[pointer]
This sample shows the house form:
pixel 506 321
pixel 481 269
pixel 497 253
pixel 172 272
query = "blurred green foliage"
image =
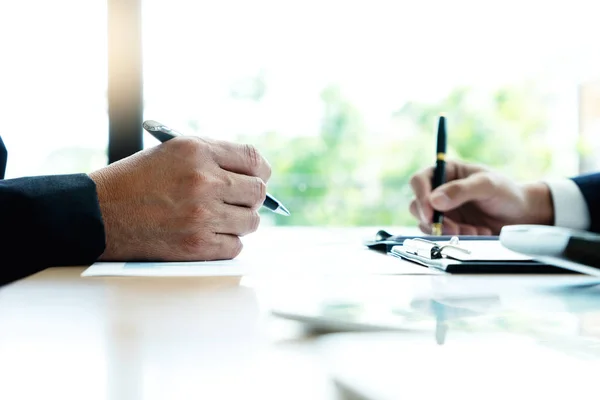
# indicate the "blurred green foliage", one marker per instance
pixel 349 176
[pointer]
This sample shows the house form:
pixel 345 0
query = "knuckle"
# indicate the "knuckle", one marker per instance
pixel 235 249
pixel 454 187
pixel 488 180
pixel 227 181
pixel 252 156
pixel 189 146
pixel 268 172
pixel 259 192
pixel 254 221
pixel 413 181
pixel 416 183
pixel 200 181
pixel 196 180
pixel 199 215
pixel 413 207
pixel 196 244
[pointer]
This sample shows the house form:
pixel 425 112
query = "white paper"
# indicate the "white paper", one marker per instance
pixel 489 250
pixel 317 261
pixel 303 256
pixel 196 268
pixel 279 251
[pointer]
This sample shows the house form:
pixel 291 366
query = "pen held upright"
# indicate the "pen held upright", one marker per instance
pixel 439 173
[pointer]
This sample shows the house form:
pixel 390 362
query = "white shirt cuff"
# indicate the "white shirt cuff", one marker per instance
pixel 570 209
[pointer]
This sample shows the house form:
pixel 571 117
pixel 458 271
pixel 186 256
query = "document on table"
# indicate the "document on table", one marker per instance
pixel 269 255
pixel 193 268
pixel 310 261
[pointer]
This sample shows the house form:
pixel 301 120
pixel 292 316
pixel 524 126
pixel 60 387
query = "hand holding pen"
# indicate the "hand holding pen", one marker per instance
pixel 475 200
pixel 188 199
pixel 164 133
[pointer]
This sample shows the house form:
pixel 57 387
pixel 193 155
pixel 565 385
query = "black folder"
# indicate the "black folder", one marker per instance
pixel 394 245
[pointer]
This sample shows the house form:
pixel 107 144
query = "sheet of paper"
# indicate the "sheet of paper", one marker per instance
pixel 486 250
pixel 298 258
pixel 200 268
pixel 290 251
pixel 315 261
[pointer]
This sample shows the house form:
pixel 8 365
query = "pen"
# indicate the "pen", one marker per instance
pixel 439 173
pixel 164 133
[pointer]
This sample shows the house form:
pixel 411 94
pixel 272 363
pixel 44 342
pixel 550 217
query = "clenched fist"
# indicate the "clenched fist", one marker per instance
pixel 187 199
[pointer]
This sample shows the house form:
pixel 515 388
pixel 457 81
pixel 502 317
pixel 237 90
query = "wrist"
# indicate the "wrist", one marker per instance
pixel 540 205
pixel 98 178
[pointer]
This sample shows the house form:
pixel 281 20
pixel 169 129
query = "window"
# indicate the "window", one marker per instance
pixel 53 86
pixel 343 97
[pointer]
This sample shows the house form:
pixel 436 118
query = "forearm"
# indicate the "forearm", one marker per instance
pixel 48 221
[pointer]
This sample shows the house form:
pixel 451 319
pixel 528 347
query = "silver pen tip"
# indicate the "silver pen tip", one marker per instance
pixel 281 210
pixel 152 125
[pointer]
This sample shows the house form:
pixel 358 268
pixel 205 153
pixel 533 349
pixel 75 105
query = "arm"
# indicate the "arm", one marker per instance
pixel 186 199
pixel 3 158
pixel 48 221
pixel 477 200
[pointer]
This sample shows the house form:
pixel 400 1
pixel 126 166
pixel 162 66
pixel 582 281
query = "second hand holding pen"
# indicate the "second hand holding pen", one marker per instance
pixel 164 133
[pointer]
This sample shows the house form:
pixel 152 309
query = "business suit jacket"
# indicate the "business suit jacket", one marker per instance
pixel 590 188
pixel 47 221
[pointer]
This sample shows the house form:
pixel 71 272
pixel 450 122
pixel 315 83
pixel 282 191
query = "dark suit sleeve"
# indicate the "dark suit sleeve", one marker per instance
pixel 590 188
pixel 3 158
pixel 48 221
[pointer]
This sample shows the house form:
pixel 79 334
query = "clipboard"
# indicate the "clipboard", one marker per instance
pixel 457 256
pixel 384 241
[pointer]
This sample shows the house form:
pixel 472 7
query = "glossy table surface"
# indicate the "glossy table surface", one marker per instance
pixel 67 337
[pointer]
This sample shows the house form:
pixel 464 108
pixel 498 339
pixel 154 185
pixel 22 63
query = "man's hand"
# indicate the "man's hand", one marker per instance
pixel 477 201
pixel 186 199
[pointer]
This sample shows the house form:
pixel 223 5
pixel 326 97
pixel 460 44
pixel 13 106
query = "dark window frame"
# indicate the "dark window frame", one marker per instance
pixel 125 78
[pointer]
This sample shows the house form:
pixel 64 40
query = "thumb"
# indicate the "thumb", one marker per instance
pixel 479 186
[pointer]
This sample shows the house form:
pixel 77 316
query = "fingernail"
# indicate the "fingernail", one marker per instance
pixel 440 199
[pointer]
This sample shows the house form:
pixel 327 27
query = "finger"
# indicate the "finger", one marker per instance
pixel 421 187
pixel 204 246
pixel 450 227
pixel 484 231
pixel 417 212
pixel 466 229
pixel 472 230
pixel 243 159
pixel 244 191
pixel 223 247
pixel 425 228
pixel 236 220
pixel 459 169
pixel 479 186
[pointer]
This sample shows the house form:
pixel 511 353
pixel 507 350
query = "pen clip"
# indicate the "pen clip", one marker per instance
pixel 432 250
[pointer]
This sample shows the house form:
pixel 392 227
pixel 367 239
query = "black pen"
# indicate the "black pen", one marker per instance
pixel 439 174
pixel 164 133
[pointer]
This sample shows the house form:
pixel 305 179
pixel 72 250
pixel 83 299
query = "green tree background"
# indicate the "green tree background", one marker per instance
pixel 348 176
